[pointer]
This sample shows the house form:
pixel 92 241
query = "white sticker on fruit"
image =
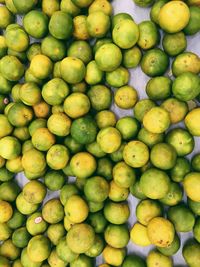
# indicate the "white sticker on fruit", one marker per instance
pixel 38 220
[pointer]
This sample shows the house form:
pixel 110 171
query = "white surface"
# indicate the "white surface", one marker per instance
pixel 139 80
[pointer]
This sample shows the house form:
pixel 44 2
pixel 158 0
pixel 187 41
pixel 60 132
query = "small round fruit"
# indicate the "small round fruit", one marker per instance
pixel 160 232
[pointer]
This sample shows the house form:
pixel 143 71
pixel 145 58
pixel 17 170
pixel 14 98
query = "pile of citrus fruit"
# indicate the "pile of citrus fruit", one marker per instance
pixel 61 69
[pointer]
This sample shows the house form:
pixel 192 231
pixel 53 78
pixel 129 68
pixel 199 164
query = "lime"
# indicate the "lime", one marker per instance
pixel 191 122
pixel 36 24
pixel 35 224
pixel 181 140
pixel 53 48
pixel 157 258
pixel 160 232
pixel 114 256
pixel 149 35
pixel 116 213
pixel 191 185
pixel 53 211
pixel 117 236
pixel 136 154
pixel 108 50
pixel 80 238
pixel 61 25
pixel 21 237
pixel 76 209
pixel 159 88
pixel 126 97
pixel 100 97
pixel 177 109
pixel 125 33
pixel 34 192
pixel 98 24
pixel 96 189
pixel 150 139
pixel 139 235
pixel 174 16
pixel 132 57
pixel 182 218
pixel 174 43
pixel 194 21
pixel 163 156
pixel 39 248
pixel 154 62
pixel 191 252
pixel 156 120
pixel 154 183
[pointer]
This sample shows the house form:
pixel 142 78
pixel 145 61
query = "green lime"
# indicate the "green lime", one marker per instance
pixel 109 139
pixel 100 97
pixel 194 206
pixel 136 154
pixel 6 17
pixel 116 213
pixel 53 211
pixel 182 218
pixel 163 156
pixel 191 252
pixel 174 43
pixel 104 168
pixel 61 25
pixel 11 68
pixel 84 130
pixel 181 140
pixel 125 33
pixel 177 109
pixel 128 127
pixel 98 24
pixel 108 50
pixel 155 183
pixel 80 238
pixel 124 175
pixel 186 62
pixel 96 189
pixel 54 180
pixel 149 34
pixel 93 73
pixel 117 236
pixel 35 224
pixel 154 62
pixel 81 50
pixel 118 78
pixel 72 70
pixel 53 48
pixel 132 57
pixel 159 88
pixel 32 20
pixel 21 237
